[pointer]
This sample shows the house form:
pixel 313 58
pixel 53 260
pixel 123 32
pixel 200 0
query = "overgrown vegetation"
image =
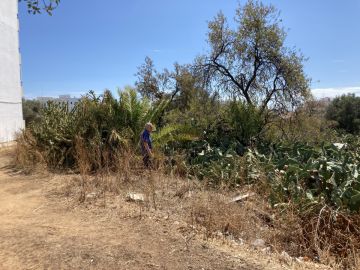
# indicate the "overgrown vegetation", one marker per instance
pixel 31 110
pixel 102 124
pixel 240 116
pixel 345 110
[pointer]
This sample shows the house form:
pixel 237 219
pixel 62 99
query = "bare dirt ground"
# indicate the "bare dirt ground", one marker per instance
pixel 41 228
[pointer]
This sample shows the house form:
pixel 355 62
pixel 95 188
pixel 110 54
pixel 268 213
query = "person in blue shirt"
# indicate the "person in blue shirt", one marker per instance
pixel 146 144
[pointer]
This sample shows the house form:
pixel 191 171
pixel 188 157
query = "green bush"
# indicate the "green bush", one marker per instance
pixel 312 175
pixel 54 133
pixel 31 110
pixel 246 121
pixel 345 110
pixel 103 125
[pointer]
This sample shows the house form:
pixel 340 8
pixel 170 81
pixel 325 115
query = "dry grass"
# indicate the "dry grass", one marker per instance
pixel 27 156
pixel 210 216
pixel 207 213
pixel 217 215
pixel 328 237
pixel 333 236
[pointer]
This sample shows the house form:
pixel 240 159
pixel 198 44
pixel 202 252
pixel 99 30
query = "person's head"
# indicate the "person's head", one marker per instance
pixel 149 127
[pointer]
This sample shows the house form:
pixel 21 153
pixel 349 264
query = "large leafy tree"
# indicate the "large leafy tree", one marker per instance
pixel 39 6
pixel 345 110
pixel 250 62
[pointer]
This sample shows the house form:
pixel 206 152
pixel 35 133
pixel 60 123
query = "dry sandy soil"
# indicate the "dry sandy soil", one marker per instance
pixel 42 227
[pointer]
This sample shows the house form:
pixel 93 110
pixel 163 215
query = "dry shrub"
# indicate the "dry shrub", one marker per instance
pixel 327 236
pixel 287 232
pixel 331 234
pixel 84 164
pixel 247 220
pixel 105 169
pixel 176 166
pixel 330 237
pixel 127 163
pixel 28 157
pixel 102 158
pixel 84 158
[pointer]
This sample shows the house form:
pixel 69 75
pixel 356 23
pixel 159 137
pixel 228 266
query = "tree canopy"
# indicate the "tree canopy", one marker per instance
pixel 345 110
pixel 251 62
pixel 180 84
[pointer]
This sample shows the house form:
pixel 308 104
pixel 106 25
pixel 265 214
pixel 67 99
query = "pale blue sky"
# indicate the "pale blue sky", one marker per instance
pixel 93 44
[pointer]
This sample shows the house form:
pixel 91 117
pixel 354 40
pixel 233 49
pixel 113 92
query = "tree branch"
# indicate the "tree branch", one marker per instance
pixel 223 70
pixel 270 94
pixel 256 65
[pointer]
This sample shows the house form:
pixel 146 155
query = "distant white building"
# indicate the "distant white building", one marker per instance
pixel 62 99
pixel 11 117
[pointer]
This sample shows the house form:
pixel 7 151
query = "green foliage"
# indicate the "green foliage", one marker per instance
pixel 103 124
pixel 246 121
pixel 217 138
pixel 214 165
pixel 173 135
pixel 151 83
pixel 345 110
pixel 31 110
pixel 236 125
pixel 252 63
pixel 304 174
pixel 54 133
pixel 253 139
pixel 221 166
pixel 310 175
pixel 222 137
pixel 200 112
pixel 307 124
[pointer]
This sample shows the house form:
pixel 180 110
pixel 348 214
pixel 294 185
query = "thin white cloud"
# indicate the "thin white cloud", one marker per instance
pixel 156 51
pixel 333 92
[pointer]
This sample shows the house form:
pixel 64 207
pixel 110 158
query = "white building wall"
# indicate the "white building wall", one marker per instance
pixel 11 117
